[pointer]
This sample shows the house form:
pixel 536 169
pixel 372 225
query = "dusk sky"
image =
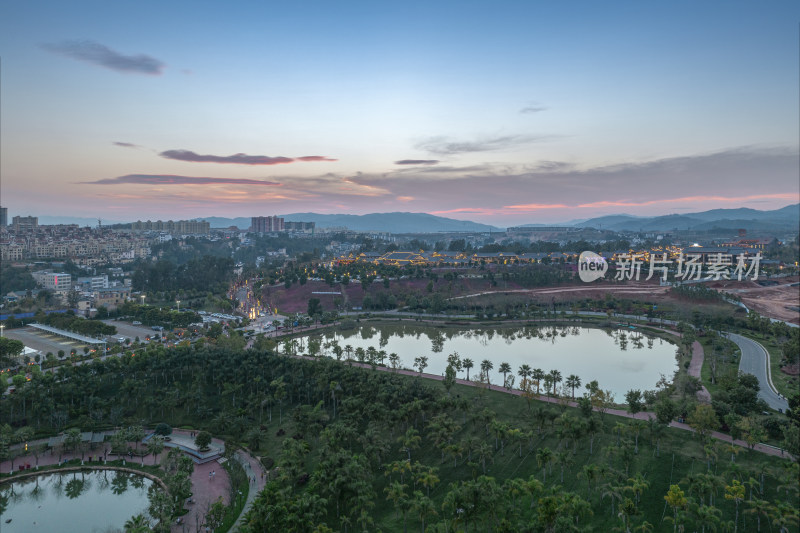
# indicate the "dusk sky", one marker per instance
pixel 498 112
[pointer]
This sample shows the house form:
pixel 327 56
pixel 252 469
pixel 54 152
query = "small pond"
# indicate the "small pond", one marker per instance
pixel 90 501
pixel 619 359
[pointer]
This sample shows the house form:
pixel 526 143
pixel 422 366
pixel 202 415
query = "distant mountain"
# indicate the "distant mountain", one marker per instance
pixel 608 221
pixel 786 218
pixel 389 222
pixel 222 222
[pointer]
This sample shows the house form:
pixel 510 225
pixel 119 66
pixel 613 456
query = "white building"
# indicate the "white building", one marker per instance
pixel 54 281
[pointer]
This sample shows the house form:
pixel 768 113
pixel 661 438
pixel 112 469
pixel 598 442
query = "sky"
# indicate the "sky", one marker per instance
pixel 499 112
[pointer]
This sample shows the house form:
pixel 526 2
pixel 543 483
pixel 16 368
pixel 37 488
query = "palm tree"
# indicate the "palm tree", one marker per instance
pixel 410 441
pixel 524 372
pixel 155 446
pixel 484 451
pixel 538 376
pixel 505 368
pixel 423 506
pixel 543 458
pixel 563 459
pixel 555 375
pixel 137 524
pixel 467 364
pixel 572 382
pixel 735 492
pixel 676 500
pixel 706 516
pixel 486 366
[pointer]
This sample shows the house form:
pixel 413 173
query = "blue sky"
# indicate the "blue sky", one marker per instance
pixel 509 112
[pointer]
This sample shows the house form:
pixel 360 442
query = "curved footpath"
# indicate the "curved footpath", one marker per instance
pixel 755 360
pixel 257 475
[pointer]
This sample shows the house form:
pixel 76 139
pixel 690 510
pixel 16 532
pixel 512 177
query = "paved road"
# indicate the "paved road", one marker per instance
pixel 754 361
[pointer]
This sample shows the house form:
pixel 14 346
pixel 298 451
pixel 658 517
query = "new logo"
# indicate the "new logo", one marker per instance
pixel 591 266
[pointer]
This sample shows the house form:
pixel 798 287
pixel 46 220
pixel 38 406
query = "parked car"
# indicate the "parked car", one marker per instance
pixel 137 323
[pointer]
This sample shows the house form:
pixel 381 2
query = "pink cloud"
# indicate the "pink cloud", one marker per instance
pixel 170 179
pixel 237 159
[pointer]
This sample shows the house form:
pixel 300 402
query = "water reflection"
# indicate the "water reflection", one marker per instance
pixel 77 501
pixel 620 359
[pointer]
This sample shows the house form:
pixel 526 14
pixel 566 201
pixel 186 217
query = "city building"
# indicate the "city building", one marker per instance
pixel 176 227
pixel 266 224
pixel 54 281
pixel 111 298
pixel 300 227
pixel 3 217
pixel 24 224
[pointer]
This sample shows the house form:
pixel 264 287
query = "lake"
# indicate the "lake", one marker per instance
pixel 619 359
pixel 87 501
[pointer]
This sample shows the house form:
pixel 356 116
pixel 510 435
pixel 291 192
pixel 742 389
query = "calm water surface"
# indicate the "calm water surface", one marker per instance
pixel 93 501
pixel 619 360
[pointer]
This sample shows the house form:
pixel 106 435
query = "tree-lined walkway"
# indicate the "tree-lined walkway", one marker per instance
pixel 256 475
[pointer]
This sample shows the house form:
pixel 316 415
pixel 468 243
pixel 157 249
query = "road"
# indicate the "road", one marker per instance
pixel 754 361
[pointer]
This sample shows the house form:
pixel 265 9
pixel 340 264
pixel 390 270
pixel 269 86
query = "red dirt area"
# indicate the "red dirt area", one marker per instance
pixel 295 299
pixel 773 298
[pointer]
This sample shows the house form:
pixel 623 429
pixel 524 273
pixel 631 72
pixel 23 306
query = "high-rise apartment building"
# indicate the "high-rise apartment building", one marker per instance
pixel 3 217
pixel 266 224
pixel 177 227
pixel 24 224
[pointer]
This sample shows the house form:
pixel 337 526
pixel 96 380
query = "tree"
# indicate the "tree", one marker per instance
pixel 573 382
pixel 137 524
pixel 423 506
pixel 467 364
pixel 9 349
pixel 202 440
pixel 676 499
pixel 504 369
pixel 486 366
pixel 449 378
pixel 703 420
pixel 410 441
pixel 155 445
pixel 634 400
pixel 544 456
pixel 735 492
pixel 216 514
pixel 314 307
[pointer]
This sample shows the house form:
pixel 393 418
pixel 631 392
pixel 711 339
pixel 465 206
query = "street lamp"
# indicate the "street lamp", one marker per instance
pixel 142 297
pixel 179 304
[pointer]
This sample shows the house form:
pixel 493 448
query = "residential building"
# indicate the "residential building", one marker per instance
pixel 300 227
pixel 24 224
pixel 266 224
pixel 177 227
pixel 54 281
pixel 111 298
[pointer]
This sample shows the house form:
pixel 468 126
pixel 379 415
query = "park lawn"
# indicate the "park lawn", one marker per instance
pixel 723 367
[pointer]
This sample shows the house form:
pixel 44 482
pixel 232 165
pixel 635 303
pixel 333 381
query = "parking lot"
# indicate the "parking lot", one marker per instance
pixel 44 342
pixel 128 330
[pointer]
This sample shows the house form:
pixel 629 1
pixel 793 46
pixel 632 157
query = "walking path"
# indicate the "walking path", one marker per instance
pixel 257 475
